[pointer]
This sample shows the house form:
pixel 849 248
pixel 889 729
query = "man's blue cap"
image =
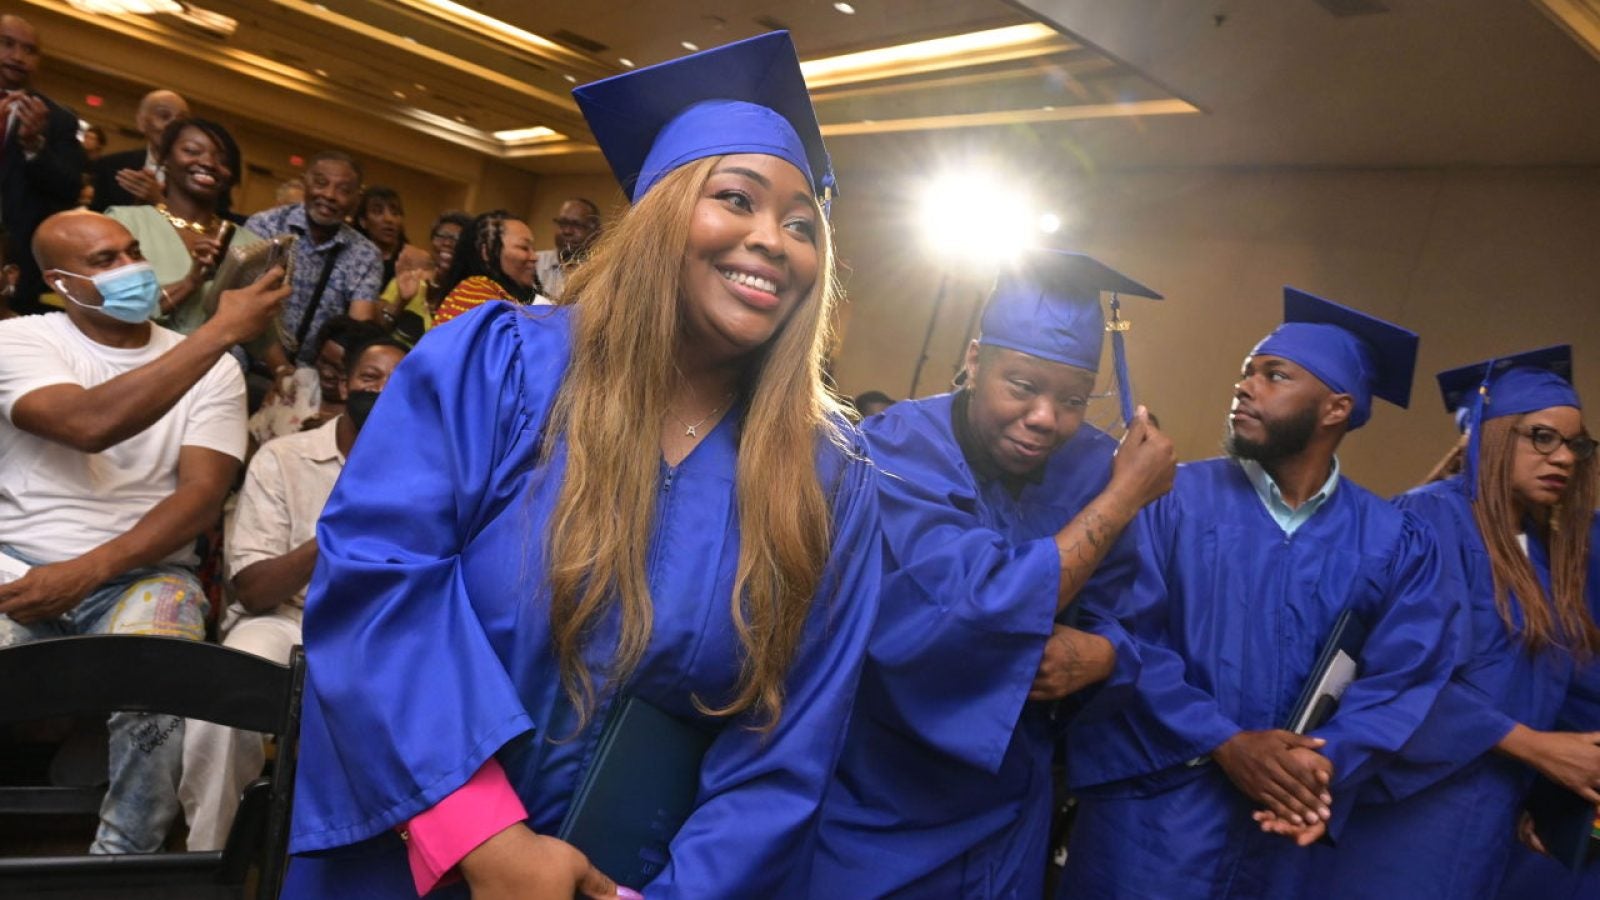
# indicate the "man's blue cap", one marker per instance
pixel 1506 386
pixel 744 97
pixel 1349 351
pixel 1047 304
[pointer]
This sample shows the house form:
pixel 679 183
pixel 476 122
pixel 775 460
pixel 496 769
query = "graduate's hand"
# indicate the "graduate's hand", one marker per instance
pixel 1145 463
pixel 517 864
pixel 1282 771
pixel 1302 835
pixel 1571 759
pixel 1072 661
pixel 1528 836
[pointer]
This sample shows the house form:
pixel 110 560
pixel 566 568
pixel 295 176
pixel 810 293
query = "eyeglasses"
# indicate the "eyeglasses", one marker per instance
pixel 1546 440
pixel 442 235
pixel 573 223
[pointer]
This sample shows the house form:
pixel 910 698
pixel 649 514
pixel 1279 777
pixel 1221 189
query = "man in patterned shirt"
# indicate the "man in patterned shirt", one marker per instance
pixel 337 271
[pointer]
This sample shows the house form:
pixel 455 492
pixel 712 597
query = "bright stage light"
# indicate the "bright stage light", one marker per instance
pixel 976 218
pixel 1049 223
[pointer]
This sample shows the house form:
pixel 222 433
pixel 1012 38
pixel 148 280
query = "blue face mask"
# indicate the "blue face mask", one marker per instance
pixel 128 293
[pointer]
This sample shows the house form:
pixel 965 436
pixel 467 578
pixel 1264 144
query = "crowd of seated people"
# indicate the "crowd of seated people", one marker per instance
pixel 148 411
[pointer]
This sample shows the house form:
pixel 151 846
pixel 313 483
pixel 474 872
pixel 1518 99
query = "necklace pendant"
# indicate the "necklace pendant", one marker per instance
pixel 690 432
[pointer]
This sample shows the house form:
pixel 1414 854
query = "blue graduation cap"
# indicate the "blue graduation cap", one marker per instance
pixel 1048 305
pixel 1349 351
pixel 1506 386
pixel 744 97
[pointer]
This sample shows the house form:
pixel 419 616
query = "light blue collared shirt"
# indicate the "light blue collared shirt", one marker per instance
pixel 1288 519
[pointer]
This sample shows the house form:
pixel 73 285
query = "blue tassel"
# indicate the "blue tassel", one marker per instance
pixel 1119 355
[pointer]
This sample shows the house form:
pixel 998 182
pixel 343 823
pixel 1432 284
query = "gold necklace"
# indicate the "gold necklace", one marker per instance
pixel 182 224
pixel 693 430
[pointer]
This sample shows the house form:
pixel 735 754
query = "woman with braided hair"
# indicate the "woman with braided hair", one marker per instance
pixel 494 260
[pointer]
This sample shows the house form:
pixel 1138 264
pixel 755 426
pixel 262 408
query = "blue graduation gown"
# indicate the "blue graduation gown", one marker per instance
pixel 1243 611
pixel 944 787
pixel 427 629
pixel 1529 875
pixel 1444 824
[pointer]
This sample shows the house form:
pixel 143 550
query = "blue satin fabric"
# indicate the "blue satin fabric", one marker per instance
pixel 428 637
pixel 1530 876
pixel 1242 612
pixel 1445 825
pixel 944 786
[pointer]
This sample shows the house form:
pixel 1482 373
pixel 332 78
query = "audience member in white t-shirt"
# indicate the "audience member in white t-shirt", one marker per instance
pixel 271 549
pixel 118 441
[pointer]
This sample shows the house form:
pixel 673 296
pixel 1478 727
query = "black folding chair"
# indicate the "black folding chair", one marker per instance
pixel 102 674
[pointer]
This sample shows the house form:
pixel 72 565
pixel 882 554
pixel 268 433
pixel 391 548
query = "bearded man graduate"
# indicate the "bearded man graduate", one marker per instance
pixel 1250 561
pixel 1002 508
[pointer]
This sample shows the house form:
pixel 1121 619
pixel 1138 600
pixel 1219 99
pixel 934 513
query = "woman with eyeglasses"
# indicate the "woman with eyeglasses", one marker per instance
pixel 1516 529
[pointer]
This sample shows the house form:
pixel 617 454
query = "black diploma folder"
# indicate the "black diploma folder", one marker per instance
pixel 1566 824
pixel 637 792
pixel 1337 666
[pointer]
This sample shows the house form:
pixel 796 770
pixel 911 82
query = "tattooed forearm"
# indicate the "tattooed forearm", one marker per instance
pixel 1083 544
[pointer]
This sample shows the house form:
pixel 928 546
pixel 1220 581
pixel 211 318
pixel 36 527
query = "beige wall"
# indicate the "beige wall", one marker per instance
pixel 1477 261
pixel 554 190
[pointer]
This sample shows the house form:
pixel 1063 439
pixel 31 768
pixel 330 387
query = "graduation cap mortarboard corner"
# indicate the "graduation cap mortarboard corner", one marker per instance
pixel 744 97
pixel 1349 351
pixel 1506 386
pixel 1047 305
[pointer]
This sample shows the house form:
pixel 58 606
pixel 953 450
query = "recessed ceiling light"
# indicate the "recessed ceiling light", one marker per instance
pixel 626 62
pixel 398 95
pixel 320 6
pixel 689 45
pixel 524 135
pixel 845 8
pixel 461 119
pixel 571 79
pixel 419 85
pixel 409 39
pixel 322 72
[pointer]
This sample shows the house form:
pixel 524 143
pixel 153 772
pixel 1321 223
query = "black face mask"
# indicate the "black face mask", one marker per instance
pixel 358 405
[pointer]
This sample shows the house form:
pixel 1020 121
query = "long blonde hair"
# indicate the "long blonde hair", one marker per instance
pixel 1563 619
pixel 627 305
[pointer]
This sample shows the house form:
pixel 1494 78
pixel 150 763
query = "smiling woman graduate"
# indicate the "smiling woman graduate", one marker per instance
pixel 647 494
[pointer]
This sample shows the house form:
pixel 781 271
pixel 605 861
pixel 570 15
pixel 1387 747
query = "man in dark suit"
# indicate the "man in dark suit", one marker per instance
pixel 41 161
pixel 131 177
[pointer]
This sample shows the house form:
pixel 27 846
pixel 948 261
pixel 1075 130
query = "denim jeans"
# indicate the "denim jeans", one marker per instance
pixel 146 749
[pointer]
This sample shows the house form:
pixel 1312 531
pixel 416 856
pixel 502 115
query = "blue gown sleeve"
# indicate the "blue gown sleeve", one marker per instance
pixel 1410 649
pixel 1165 720
pixel 965 611
pixel 405 696
pixel 753 828
pixel 1100 608
pixel 1464 722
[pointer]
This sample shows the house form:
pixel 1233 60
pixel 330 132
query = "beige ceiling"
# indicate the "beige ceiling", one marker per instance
pixel 422 81
pixel 1100 85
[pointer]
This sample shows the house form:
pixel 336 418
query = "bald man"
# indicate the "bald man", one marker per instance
pixel 118 441
pixel 41 161
pixel 134 177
